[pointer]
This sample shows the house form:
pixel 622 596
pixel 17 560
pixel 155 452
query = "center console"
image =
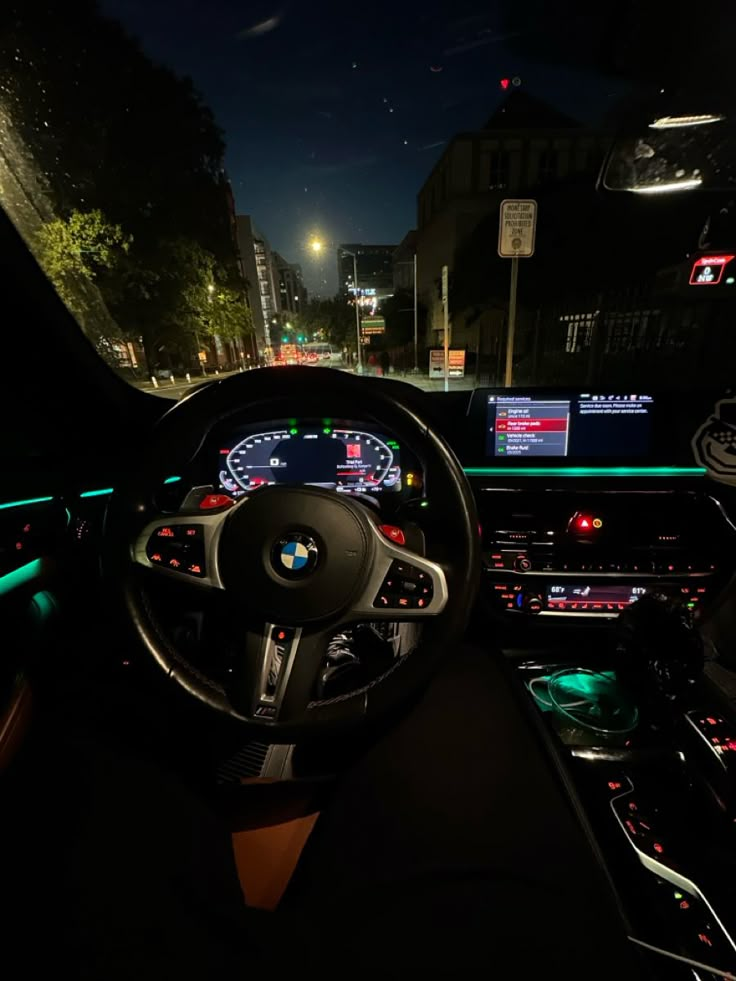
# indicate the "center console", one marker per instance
pixel 660 799
pixel 603 551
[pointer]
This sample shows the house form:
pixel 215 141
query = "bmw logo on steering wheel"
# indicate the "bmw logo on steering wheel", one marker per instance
pixel 295 555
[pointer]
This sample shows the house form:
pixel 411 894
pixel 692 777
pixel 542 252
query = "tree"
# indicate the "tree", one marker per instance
pixel 112 131
pixel 77 252
pixel 231 318
pixel 333 317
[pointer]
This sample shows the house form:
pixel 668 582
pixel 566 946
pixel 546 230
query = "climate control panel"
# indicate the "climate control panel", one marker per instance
pixel 565 554
pixel 592 598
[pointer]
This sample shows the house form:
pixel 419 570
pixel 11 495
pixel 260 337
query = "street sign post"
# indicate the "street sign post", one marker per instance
pixel 457 363
pixel 436 362
pixel 446 315
pixel 517 230
pixel 456 359
pixel 373 325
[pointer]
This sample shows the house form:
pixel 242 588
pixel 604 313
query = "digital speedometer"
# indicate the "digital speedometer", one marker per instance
pixel 348 460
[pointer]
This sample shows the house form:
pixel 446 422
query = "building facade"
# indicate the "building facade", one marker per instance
pixel 524 146
pixel 404 262
pixel 292 292
pixel 261 277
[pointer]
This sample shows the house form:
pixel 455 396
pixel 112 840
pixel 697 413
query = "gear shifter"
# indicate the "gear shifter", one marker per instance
pixel 659 653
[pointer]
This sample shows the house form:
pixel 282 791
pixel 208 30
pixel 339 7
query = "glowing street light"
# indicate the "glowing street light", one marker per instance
pixel 316 245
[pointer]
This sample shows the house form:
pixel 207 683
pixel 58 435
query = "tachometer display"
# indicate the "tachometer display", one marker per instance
pixel 348 460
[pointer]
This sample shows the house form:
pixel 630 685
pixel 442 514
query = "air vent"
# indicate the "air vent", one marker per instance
pixel 247 762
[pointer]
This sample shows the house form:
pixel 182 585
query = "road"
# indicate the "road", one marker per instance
pixel 180 388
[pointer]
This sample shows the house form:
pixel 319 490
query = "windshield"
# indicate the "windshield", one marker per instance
pixel 404 192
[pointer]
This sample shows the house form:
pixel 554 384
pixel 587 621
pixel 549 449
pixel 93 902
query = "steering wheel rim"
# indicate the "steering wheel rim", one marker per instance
pixel 253 526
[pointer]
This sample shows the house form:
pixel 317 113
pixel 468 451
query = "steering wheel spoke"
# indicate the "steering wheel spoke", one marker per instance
pixel 276 676
pixel 403 585
pixel 182 547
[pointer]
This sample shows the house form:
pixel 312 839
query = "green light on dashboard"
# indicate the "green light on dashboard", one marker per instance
pixel 585 471
pixel 97 493
pixel 327 430
pixel 28 500
pixel 294 432
pixel 392 443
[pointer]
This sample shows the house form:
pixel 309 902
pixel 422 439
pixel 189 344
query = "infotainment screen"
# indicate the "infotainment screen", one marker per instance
pixel 568 425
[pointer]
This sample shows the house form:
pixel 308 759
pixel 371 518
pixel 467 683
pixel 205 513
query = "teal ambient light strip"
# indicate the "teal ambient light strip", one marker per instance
pixel 109 490
pixel 20 576
pixel 28 500
pixel 585 471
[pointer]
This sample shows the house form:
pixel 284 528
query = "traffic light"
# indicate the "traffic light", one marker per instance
pixel 300 338
pixel 285 340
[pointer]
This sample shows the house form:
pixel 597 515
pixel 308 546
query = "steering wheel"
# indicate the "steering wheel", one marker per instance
pixel 298 563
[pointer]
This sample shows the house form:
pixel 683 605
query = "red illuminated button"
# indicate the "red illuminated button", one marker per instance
pixel 583 523
pixel 212 501
pixel 165 533
pixel 394 534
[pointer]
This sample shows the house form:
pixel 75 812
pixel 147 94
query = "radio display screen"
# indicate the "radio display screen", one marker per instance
pixel 524 426
pixel 587 598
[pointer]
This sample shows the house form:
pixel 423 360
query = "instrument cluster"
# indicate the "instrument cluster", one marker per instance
pixel 345 457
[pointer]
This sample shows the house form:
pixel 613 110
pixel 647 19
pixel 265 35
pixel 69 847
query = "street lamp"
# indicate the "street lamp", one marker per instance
pixel 316 245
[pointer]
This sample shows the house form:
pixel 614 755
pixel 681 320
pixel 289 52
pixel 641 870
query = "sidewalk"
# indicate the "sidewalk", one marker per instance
pixel 181 385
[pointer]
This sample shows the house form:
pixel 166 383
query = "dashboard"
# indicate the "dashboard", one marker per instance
pixel 586 498
pixel 347 458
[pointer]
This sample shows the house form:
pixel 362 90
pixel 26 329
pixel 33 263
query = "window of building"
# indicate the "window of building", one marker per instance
pixel 498 173
pixel 579 331
pixel 629 330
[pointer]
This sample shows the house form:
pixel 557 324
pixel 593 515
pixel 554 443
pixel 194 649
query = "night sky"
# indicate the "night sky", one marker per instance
pixel 335 113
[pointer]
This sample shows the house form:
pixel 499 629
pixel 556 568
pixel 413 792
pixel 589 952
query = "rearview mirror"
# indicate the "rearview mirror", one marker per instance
pixel 675 153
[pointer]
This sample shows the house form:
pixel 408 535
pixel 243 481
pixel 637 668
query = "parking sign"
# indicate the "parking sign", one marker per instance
pixel 517 227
